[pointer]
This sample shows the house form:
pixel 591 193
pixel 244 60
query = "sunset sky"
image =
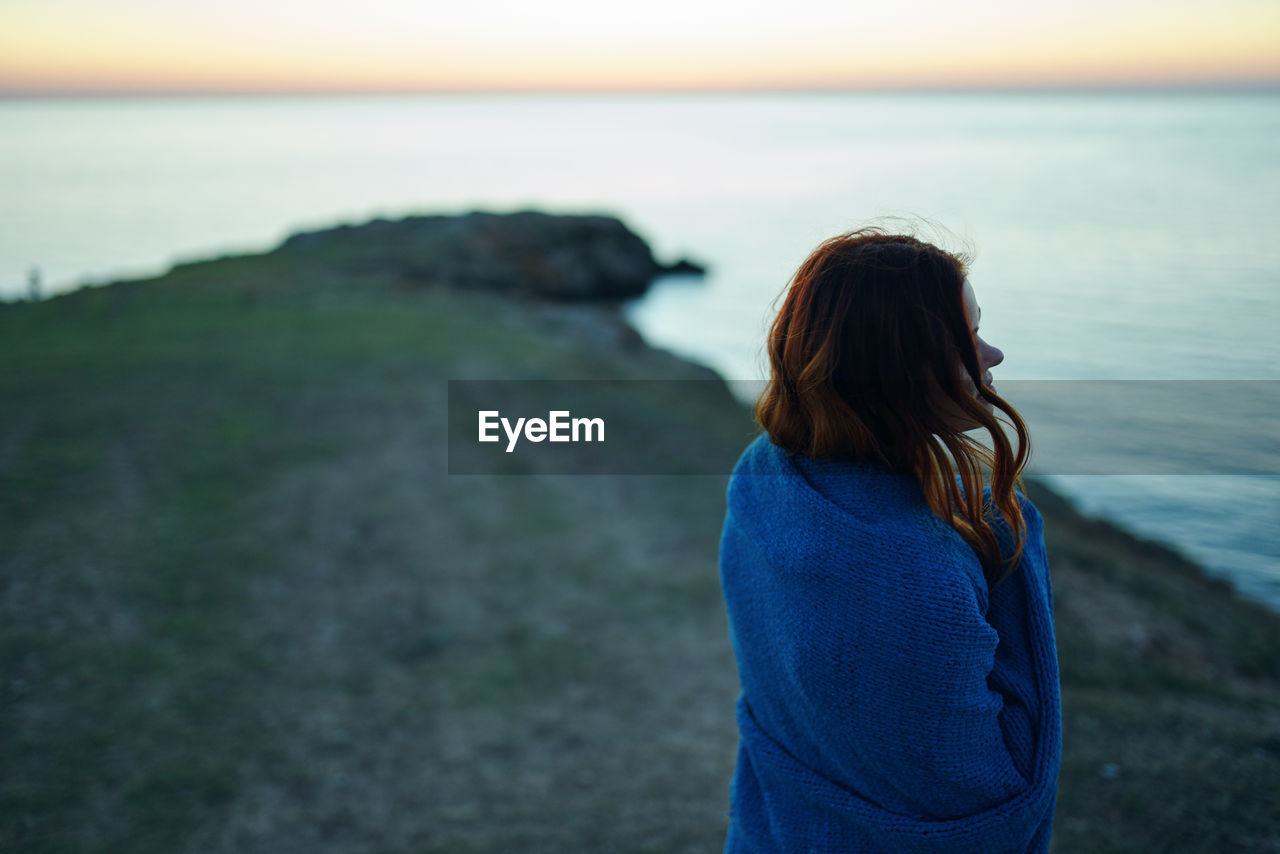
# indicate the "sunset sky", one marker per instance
pixel 92 46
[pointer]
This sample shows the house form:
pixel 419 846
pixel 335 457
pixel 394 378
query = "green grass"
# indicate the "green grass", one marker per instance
pixel 148 426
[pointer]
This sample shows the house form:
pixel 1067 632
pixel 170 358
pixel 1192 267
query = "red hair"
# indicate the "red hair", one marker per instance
pixel 863 357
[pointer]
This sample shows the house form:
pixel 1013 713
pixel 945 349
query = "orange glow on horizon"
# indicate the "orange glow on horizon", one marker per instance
pixel 47 50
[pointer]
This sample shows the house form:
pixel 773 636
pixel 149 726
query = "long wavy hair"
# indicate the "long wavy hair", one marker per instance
pixel 863 366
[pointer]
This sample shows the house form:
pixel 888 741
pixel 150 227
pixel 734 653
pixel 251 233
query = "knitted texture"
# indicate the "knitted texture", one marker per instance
pixel 890 702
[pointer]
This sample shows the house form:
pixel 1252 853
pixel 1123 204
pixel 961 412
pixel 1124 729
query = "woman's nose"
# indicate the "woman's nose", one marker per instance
pixel 992 356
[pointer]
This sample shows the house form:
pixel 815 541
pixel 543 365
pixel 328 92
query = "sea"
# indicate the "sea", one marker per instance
pixel 1120 241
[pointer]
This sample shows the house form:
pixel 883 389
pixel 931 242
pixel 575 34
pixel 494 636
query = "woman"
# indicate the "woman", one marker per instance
pixel 891 619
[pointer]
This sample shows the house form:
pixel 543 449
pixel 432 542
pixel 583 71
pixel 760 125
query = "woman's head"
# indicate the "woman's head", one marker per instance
pixel 875 356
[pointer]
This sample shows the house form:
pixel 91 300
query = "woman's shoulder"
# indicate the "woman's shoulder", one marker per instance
pixel 848 485
pixel 852 523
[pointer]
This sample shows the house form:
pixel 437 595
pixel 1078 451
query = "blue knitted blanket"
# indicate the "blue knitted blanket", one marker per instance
pixel 890 701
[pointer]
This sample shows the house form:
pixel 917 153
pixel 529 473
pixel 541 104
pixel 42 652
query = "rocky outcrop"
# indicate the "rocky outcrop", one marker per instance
pixel 558 256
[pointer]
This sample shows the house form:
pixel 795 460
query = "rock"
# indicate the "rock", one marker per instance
pixel 684 267
pixel 559 256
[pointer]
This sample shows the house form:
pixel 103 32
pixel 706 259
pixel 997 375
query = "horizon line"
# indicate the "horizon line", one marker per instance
pixel 1091 87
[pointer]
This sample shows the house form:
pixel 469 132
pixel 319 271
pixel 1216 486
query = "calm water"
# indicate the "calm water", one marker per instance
pixel 1116 236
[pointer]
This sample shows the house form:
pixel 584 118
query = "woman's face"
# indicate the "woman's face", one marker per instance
pixel 988 357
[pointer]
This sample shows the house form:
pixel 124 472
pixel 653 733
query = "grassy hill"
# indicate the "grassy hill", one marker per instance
pixel 245 607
